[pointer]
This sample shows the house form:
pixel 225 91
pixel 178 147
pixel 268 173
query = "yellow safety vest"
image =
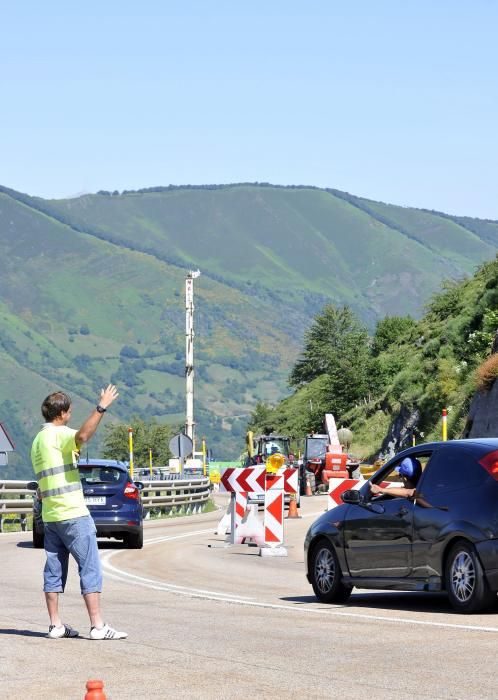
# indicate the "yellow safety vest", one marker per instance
pixel 53 458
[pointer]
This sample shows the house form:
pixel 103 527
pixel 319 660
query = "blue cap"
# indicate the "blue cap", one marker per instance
pixel 411 468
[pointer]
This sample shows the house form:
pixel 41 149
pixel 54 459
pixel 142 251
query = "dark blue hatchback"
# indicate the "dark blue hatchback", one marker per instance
pixel 441 535
pixel 113 500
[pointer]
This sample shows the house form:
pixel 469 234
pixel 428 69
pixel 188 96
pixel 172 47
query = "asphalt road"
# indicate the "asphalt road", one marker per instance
pixel 210 621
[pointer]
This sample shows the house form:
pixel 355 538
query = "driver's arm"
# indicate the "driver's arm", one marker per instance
pixel 401 491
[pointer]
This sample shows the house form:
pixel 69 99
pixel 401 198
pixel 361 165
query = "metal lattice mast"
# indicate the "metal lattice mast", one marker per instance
pixel 189 354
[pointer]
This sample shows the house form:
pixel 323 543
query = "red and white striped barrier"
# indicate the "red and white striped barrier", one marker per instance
pixel 241 482
pixel 338 486
pixel 274 510
pixel 249 480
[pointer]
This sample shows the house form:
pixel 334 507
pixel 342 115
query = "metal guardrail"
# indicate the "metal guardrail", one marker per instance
pixel 166 496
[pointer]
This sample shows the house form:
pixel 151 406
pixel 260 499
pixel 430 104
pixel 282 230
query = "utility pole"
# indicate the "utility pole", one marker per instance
pixel 189 355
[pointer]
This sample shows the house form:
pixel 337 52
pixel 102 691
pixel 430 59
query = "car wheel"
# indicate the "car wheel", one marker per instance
pixel 325 574
pixel 38 539
pixel 466 584
pixel 135 540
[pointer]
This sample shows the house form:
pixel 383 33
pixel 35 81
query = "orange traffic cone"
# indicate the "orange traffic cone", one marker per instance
pixel 308 487
pixel 94 690
pixel 293 508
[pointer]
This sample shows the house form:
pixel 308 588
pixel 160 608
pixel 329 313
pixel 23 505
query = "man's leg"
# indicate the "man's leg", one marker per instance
pixel 92 602
pixel 54 576
pixel 52 600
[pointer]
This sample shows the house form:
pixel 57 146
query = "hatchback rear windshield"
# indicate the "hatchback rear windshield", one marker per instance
pixel 101 475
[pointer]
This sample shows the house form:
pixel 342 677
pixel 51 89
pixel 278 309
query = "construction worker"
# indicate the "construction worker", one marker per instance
pixel 68 525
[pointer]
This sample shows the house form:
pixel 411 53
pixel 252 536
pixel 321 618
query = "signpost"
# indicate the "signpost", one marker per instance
pixel 181 446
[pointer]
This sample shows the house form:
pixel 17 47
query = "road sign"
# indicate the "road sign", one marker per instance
pixel 181 445
pixel 249 480
pixel 274 510
pixel 6 445
pixel 290 479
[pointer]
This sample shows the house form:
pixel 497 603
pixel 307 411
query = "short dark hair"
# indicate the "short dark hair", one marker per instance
pixel 54 405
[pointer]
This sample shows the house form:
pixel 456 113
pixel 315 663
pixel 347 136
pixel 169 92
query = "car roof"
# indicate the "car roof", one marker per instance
pixel 114 463
pixel 481 444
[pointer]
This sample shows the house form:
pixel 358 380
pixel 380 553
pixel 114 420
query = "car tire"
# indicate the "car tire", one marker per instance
pixel 135 540
pixel 38 539
pixel 326 574
pixel 466 585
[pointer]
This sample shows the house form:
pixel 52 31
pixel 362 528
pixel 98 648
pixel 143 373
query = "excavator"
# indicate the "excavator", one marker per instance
pixel 324 456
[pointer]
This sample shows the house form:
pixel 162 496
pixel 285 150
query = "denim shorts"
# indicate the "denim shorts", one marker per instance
pixel 77 537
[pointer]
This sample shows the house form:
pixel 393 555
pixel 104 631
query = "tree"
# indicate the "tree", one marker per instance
pixel 390 331
pixel 335 334
pixel 146 435
pixel 262 419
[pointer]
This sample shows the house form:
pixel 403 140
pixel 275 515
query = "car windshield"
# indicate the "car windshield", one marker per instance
pixel 277 445
pixel 316 447
pixel 100 475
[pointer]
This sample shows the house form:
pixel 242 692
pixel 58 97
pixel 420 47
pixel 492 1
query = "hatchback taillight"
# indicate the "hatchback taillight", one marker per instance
pixel 490 463
pixel 131 491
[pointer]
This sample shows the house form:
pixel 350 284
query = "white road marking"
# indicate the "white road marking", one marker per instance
pixel 120 575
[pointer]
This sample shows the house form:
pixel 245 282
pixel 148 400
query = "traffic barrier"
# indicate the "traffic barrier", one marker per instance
pixel 95 690
pixel 251 528
pixel 224 525
pixel 338 486
pixel 240 511
pixel 274 516
pixel 258 480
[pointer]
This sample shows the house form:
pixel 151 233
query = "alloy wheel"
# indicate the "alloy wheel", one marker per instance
pixel 463 576
pixel 325 570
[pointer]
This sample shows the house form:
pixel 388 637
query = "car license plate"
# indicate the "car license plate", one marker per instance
pixel 95 500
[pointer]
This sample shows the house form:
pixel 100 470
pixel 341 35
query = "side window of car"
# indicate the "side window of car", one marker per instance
pixel 392 477
pixel 449 470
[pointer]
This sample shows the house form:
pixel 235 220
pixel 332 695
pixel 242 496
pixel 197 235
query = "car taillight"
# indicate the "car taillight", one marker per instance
pixel 131 491
pixel 490 463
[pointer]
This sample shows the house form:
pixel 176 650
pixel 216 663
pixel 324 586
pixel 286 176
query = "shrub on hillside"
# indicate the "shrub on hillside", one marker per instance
pixel 487 372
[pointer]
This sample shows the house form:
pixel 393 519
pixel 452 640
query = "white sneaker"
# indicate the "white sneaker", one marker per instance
pixel 106 632
pixel 62 631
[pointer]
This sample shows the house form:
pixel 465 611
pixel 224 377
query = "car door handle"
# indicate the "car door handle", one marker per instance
pixel 402 511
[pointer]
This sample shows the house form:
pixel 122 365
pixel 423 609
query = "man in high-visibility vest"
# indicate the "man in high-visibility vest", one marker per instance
pixel 68 525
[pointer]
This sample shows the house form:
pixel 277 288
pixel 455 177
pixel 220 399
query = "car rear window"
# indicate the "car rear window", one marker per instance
pixel 101 475
pixel 452 469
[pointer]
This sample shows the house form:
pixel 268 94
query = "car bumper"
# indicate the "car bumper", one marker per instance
pixel 488 554
pixel 112 526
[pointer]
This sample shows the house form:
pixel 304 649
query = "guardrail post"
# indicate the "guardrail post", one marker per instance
pixel 1 523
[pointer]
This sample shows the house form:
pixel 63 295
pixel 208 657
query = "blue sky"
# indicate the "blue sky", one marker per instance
pixel 395 101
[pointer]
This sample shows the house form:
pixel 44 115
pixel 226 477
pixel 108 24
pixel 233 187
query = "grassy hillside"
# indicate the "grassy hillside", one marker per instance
pixel 92 288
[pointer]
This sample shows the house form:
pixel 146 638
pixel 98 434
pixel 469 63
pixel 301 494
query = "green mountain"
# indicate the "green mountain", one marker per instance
pixel 92 288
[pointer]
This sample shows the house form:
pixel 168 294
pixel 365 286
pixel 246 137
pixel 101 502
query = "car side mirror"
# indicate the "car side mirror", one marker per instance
pixel 32 485
pixel 139 485
pixel 352 496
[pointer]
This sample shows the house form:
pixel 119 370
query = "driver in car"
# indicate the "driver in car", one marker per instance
pixel 410 471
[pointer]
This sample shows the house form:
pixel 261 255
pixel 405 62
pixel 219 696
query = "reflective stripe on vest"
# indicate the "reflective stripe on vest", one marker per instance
pixel 55 470
pixel 61 490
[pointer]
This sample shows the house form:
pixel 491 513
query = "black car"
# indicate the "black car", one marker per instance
pixel 442 538
pixel 113 500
